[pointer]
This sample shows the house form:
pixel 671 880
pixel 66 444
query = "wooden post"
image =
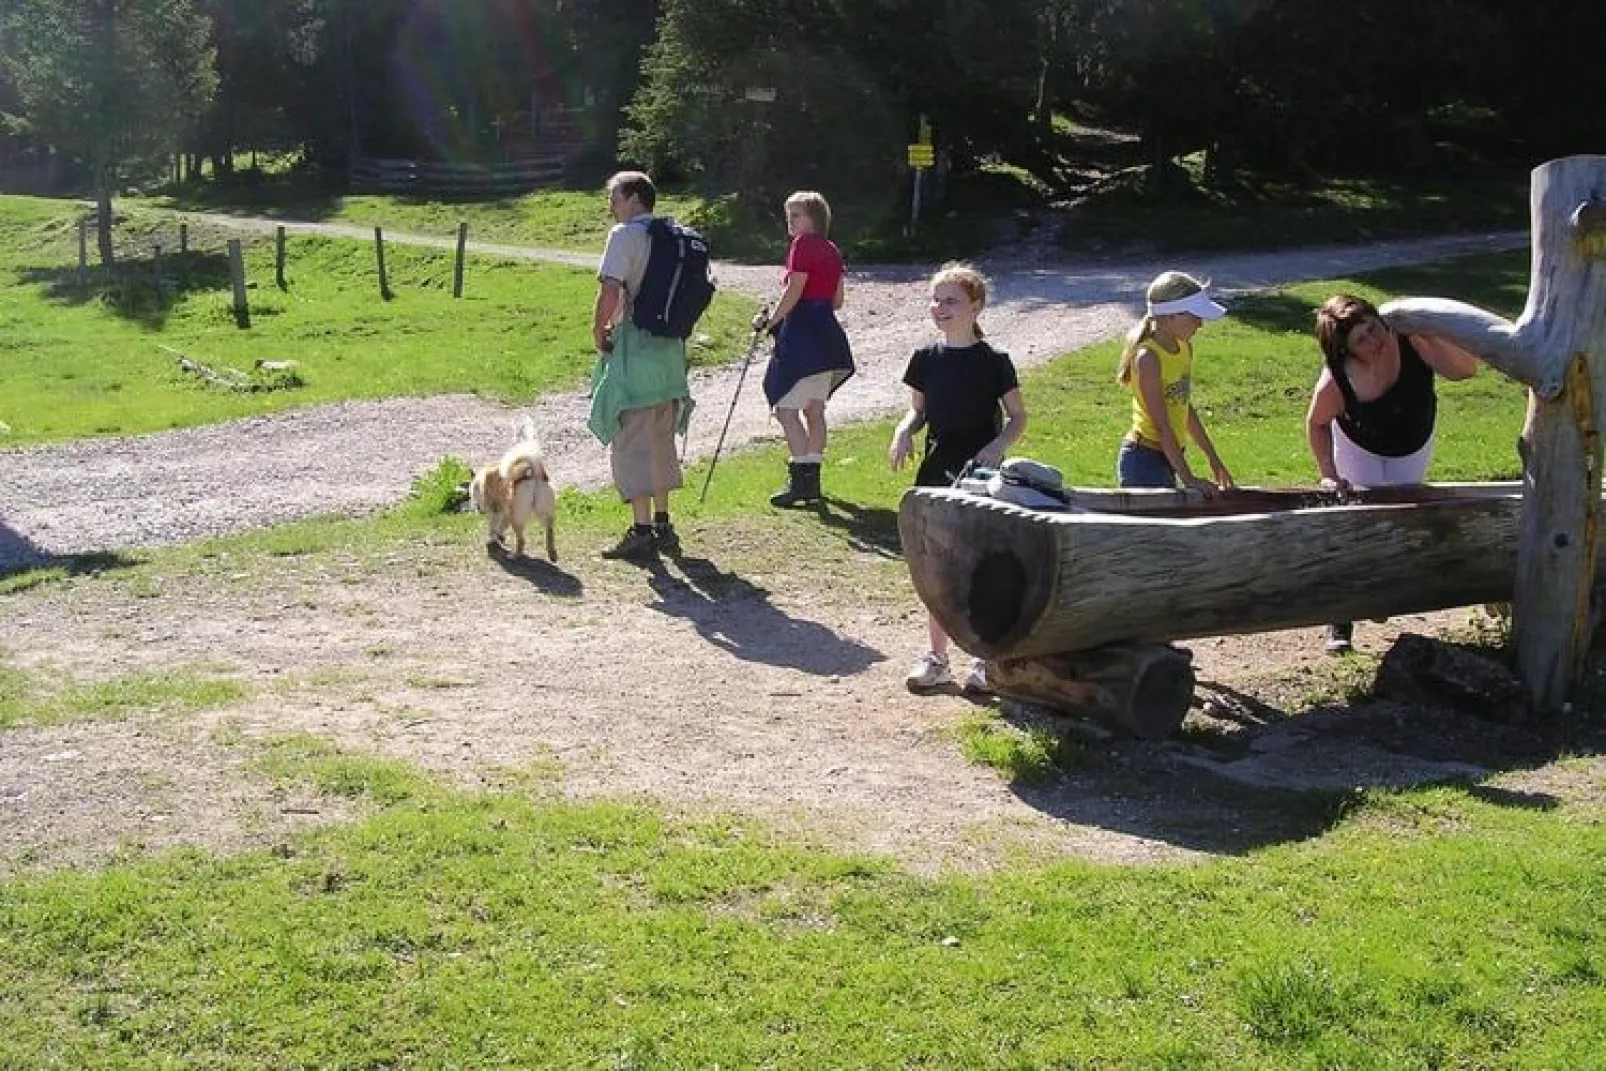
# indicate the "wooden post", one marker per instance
pixel 1557 348
pixel 278 257
pixel 379 253
pixel 83 255
pixel 183 238
pixel 242 311
pixel 457 270
pixel 1145 689
pixel 156 264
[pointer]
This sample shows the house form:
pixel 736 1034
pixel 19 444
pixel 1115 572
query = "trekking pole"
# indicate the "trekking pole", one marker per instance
pixel 758 334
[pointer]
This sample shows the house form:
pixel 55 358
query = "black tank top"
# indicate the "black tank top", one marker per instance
pixel 1398 422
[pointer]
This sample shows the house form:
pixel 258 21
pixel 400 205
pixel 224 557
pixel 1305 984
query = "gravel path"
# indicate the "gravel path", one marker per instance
pixel 107 495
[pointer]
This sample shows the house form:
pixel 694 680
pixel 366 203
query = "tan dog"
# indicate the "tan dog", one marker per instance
pixel 515 490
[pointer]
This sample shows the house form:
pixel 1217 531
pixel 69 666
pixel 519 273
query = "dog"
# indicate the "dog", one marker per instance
pixel 514 491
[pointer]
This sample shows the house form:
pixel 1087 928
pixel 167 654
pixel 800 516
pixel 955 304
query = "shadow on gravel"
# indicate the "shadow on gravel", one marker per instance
pixel 1259 775
pixel 546 576
pixel 736 615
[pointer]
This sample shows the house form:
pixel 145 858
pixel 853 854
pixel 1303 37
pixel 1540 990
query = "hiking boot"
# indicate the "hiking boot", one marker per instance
pixel 802 485
pixel 1340 639
pixel 637 544
pixel 976 678
pixel 929 671
pixel 665 538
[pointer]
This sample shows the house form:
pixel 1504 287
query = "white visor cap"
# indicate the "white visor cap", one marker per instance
pixel 1199 303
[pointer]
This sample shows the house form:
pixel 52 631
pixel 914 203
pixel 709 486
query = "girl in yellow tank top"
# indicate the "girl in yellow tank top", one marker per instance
pixel 1157 367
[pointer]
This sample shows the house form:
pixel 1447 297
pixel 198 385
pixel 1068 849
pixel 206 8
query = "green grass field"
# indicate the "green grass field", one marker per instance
pixel 1441 927
pixel 101 360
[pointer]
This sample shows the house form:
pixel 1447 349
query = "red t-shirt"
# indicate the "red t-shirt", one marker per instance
pixel 819 259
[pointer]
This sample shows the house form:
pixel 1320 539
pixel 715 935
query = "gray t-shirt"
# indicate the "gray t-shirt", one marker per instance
pixel 624 259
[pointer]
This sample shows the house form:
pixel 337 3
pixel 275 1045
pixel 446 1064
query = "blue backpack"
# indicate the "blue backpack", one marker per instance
pixel 677 287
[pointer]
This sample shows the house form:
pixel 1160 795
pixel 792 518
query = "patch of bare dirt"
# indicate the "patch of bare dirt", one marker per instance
pixel 685 685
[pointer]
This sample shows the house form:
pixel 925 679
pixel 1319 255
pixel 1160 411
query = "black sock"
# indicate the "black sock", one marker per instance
pixel 644 529
pixel 661 519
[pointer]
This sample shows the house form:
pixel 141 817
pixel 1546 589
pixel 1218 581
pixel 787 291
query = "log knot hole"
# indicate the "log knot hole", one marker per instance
pixel 1588 223
pixel 997 595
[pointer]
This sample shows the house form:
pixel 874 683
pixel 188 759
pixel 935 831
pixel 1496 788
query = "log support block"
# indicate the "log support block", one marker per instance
pixel 1144 688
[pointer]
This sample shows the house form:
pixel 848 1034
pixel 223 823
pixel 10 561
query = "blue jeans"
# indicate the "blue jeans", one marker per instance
pixel 1143 466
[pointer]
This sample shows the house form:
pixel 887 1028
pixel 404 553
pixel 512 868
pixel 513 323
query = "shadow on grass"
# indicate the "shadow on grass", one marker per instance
pixel 24 564
pixel 870 529
pixel 132 289
pixel 736 615
pixel 1274 312
pixel 1271 775
pixel 545 576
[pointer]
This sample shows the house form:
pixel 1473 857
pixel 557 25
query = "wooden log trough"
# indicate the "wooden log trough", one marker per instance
pixel 1078 607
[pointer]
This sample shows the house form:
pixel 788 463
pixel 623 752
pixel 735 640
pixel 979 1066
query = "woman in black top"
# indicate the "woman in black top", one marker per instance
pixel 1372 414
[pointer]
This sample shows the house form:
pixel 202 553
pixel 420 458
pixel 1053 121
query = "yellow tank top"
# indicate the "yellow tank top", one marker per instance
pixel 1176 385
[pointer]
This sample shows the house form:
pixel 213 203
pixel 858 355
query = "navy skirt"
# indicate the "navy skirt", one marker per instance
pixel 811 341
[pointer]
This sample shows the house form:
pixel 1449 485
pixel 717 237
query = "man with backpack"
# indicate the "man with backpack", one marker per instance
pixel 653 284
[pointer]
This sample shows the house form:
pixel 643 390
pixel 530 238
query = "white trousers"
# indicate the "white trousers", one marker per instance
pixel 1362 468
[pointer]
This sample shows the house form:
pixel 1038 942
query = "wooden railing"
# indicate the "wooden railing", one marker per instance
pixel 432 178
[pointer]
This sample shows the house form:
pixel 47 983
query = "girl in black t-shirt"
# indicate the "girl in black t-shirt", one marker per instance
pixel 960 390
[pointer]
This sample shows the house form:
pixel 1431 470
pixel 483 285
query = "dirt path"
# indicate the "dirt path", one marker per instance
pixel 357 457
pixel 686 686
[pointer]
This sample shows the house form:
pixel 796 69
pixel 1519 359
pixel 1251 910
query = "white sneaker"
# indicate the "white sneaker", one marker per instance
pixel 976 678
pixel 929 671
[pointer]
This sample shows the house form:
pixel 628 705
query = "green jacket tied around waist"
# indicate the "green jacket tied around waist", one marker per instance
pixel 642 371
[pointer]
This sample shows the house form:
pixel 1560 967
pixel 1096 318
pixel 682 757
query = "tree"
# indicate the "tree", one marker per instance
pixel 109 81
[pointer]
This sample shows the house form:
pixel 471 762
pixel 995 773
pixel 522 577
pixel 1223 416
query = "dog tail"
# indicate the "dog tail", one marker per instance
pixel 527 432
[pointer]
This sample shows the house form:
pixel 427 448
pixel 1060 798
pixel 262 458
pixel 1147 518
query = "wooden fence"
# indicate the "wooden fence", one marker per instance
pixel 433 179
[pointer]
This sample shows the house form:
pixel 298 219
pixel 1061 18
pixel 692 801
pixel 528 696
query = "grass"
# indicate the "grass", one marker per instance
pixel 1252 211
pixel 40 699
pixel 492 929
pixel 103 362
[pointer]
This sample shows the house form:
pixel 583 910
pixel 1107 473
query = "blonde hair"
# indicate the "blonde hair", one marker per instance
pixel 968 279
pixel 818 209
pixel 1167 286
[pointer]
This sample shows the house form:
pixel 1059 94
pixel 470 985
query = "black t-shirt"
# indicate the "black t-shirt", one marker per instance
pixel 1398 422
pixel 963 389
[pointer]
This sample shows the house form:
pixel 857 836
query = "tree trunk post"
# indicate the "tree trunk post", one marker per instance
pixel 1557 348
pixel 156 266
pixel 457 269
pixel 379 254
pixel 183 238
pixel 278 258
pixel 83 255
pixel 242 311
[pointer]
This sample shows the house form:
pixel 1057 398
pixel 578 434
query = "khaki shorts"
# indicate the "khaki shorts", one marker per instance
pixel 815 388
pixel 642 454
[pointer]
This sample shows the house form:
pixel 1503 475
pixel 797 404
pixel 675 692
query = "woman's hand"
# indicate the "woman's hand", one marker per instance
pixel 900 449
pixel 1200 484
pixel 990 456
pixel 1222 476
pixel 1336 484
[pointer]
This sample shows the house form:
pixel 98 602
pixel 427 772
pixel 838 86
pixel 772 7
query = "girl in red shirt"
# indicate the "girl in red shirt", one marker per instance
pixel 812 357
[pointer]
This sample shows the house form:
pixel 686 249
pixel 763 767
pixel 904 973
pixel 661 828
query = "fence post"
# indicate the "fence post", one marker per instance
pixel 457 271
pixel 379 253
pixel 83 254
pixel 183 237
pixel 278 257
pixel 242 311
pixel 156 264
